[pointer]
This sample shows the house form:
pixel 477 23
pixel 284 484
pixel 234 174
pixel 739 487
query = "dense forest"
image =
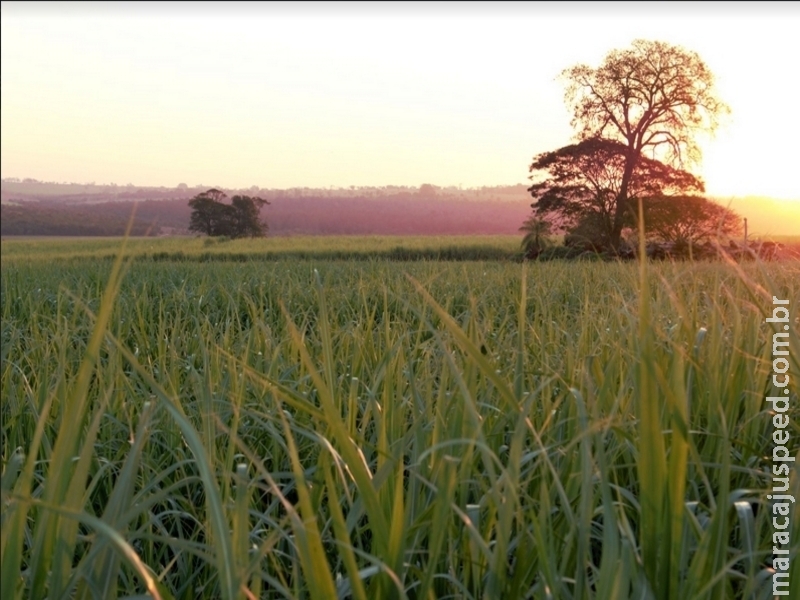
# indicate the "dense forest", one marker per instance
pixel 36 208
pixel 31 207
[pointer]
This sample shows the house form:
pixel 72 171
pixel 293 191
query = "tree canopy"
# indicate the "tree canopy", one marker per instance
pixel 241 218
pixel 652 96
pixel 688 219
pixel 581 183
pixel 637 117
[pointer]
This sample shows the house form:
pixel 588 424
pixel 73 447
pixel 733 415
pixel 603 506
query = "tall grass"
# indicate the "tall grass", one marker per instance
pixel 328 429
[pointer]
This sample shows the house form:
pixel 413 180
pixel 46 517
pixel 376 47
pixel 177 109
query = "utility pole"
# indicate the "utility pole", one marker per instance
pixel 745 231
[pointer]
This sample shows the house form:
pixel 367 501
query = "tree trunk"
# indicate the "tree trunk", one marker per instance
pixel 622 199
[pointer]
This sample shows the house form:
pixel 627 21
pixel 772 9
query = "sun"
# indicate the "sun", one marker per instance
pixel 753 154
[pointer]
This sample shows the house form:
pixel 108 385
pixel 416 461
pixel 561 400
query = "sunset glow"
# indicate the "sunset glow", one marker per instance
pixel 296 95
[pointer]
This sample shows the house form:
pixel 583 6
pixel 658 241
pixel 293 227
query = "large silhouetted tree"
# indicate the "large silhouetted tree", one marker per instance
pixel 650 100
pixel 241 218
pixel 578 186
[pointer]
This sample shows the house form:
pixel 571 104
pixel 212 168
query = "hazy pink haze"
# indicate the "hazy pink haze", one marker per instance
pixel 315 95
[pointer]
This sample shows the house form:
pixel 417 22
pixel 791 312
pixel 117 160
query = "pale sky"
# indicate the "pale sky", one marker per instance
pixel 287 95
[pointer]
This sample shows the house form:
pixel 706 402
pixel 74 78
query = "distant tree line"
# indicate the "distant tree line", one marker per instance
pixel 29 189
pixel 399 214
pixel 46 219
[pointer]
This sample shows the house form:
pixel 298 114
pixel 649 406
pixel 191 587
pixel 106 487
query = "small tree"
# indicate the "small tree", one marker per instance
pixel 211 216
pixel 687 220
pixel 208 212
pixel 246 216
pixel 536 231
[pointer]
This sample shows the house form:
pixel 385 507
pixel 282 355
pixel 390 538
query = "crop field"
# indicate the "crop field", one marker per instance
pixel 288 423
pixel 488 247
